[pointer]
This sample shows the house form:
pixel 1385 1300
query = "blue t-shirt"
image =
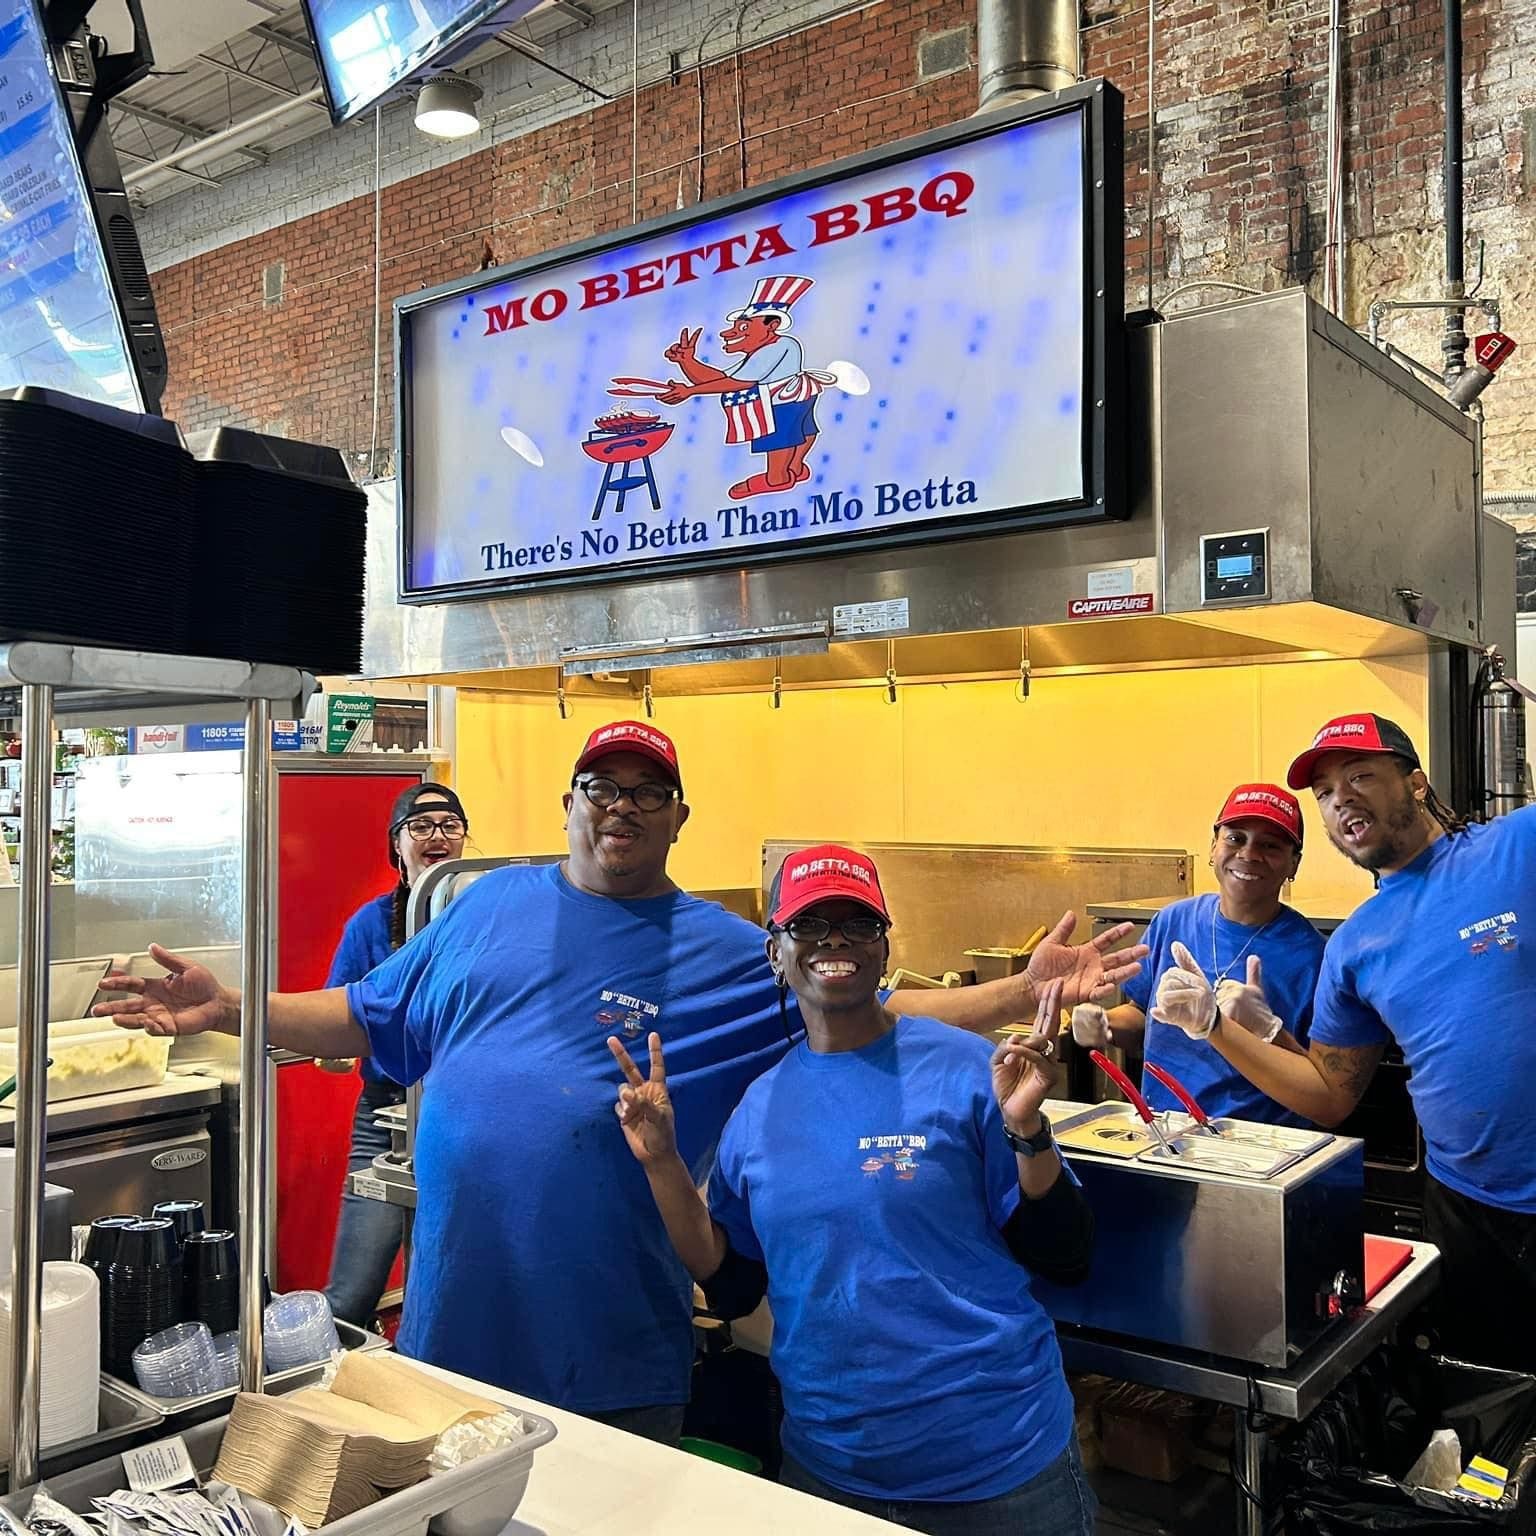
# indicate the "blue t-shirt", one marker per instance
pixel 1291 950
pixel 364 945
pixel 539 1262
pixel 873 1184
pixel 1437 960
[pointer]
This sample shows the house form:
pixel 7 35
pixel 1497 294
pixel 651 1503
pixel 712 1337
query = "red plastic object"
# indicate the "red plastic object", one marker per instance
pixel 1385 1259
pixel 1123 1083
pixel 1181 1093
pixel 1493 349
pixel 332 856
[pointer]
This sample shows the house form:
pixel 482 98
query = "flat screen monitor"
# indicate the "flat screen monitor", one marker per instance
pixel 367 47
pixel 914 345
pixel 61 324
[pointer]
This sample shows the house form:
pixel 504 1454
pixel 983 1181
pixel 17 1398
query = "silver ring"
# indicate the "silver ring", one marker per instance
pixel 1048 1049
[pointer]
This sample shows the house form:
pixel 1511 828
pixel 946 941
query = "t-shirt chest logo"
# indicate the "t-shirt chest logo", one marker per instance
pixel 1492 934
pixel 621 1011
pixel 898 1153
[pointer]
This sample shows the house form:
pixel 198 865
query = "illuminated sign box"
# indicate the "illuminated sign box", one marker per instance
pixel 920 343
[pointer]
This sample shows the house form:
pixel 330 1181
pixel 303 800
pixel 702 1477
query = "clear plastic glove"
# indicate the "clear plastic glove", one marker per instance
pixel 1184 997
pixel 1090 1027
pixel 1245 1003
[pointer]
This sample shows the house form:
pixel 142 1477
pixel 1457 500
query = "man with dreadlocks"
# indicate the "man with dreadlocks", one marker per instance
pixel 1438 961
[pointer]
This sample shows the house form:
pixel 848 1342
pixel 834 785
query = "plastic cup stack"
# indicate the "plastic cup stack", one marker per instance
pixel 141 1290
pixel 226 1349
pixel 298 1329
pixel 178 1362
pixel 210 1280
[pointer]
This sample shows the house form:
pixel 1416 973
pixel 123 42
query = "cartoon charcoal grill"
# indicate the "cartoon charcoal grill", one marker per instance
pixel 623 442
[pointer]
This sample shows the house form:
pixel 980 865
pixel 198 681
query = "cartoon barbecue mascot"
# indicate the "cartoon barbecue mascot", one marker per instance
pixel 769 397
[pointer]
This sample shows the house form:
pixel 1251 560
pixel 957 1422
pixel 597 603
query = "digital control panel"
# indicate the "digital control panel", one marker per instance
pixel 1234 566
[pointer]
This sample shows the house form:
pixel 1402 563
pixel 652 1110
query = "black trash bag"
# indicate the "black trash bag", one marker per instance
pixel 1345 1465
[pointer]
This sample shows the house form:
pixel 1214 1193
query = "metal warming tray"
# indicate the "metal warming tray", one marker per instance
pixel 1233 1246
pixel 124 1416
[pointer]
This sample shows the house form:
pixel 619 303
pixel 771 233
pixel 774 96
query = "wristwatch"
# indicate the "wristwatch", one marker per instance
pixel 1028 1146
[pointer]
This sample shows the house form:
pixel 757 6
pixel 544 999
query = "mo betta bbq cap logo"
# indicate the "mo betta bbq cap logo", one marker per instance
pixel 1353 733
pixel 1264 802
pixel 826 873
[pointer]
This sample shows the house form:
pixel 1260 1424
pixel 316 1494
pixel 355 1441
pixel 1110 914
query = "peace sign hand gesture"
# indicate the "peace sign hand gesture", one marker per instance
pixel 1021 1066
pixel 643 1107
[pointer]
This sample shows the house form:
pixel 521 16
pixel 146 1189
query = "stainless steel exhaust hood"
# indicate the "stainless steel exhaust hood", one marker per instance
pixel 1266 414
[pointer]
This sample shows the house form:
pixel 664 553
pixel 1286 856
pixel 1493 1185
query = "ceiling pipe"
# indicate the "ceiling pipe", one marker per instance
pixel 1024 48
pixel 1333 236
pixel 223 138
pixel 1454 344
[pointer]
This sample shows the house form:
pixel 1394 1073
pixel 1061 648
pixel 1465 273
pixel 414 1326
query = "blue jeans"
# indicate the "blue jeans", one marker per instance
pixel 369 1233
pixel 1056 1502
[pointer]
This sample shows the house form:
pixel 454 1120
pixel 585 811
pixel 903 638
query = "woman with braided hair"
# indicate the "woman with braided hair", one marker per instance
pixel 426 826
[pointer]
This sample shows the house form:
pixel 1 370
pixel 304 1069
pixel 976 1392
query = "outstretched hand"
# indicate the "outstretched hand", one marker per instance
pixel 1087 972
pixel 186 1001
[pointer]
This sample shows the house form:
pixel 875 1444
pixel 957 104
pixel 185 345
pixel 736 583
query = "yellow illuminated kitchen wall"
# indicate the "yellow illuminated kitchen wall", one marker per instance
pixel 1134 759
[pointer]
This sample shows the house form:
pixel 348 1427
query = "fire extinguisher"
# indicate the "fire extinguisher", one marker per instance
pixel 1501 722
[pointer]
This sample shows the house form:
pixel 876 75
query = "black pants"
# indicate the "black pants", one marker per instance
pixel 1487 1301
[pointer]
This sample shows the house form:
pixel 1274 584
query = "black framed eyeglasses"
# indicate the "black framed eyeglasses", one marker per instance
pixel 423 829
pixel 646 796
pixel 856 930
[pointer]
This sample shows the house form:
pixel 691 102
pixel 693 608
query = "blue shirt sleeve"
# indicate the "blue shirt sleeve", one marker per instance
pixel 1339 1015
pixel 729 1203
pixel 389 1005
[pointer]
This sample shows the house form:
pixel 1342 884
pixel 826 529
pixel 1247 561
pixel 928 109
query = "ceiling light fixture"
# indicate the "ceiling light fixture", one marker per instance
pixel 446 107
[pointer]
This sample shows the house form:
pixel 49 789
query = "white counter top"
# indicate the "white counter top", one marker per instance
pixel 594 1481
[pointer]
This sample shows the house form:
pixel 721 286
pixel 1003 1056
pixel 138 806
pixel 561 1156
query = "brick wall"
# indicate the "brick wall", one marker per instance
pixel 1240 139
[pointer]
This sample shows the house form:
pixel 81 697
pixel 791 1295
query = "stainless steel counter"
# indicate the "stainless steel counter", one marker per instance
pixel 176 1095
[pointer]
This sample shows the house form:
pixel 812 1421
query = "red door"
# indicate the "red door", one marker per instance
pixel 332 856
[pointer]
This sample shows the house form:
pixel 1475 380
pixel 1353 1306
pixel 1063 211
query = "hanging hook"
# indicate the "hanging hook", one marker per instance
pixel 560 704
pixel 1024 667
pixel 778 682
pixel 650 705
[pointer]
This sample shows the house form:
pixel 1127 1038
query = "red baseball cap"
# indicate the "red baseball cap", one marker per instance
pixel 1357 734
pixel 824 873
pixel 631 736
pixel 1264 802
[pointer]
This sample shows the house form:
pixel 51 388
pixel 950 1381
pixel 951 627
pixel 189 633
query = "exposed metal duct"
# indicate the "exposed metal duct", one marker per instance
pixel 1024 48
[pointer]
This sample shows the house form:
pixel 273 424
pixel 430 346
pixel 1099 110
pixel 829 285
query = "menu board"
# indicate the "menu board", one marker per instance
pixel 905 342
pixel 59 321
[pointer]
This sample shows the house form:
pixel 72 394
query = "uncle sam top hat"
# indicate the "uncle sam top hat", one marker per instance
pixel 775 296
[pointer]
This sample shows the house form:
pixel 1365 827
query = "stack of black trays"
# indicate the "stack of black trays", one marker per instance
pixel 95 525
pixel 280 535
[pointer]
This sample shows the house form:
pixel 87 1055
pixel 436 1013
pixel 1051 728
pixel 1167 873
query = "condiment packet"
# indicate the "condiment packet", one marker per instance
pixel 47 1517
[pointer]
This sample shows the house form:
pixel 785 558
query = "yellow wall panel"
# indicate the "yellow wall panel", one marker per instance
pixel 1133 759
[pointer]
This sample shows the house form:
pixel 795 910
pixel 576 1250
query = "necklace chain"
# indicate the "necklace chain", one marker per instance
pixel 1222 974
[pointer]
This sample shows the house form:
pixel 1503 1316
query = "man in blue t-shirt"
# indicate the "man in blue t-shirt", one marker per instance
pixel 538 1261
pixel 1261 957
pixel 1440 961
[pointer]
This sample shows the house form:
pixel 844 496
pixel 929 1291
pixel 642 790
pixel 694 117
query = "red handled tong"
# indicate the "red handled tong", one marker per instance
pixel 1133 1095
pixel 1185 1097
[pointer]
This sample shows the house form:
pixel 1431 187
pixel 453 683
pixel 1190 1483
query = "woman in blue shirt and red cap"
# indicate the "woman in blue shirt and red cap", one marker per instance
pixel 889 1184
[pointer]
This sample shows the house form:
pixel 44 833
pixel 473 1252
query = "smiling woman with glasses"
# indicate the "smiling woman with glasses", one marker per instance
pixel 890 1185
pixel 426 826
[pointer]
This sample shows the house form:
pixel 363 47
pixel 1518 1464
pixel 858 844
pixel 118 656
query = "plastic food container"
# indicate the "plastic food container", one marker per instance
pixel 478 1499
pixel 106 1061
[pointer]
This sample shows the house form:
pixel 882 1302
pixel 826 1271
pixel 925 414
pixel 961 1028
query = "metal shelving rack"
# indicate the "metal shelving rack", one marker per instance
pixel 63 680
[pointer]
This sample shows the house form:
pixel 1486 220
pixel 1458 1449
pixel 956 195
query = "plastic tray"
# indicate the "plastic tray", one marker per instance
pixel 474 1500
pixel 177 1411
pixel 124 1416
